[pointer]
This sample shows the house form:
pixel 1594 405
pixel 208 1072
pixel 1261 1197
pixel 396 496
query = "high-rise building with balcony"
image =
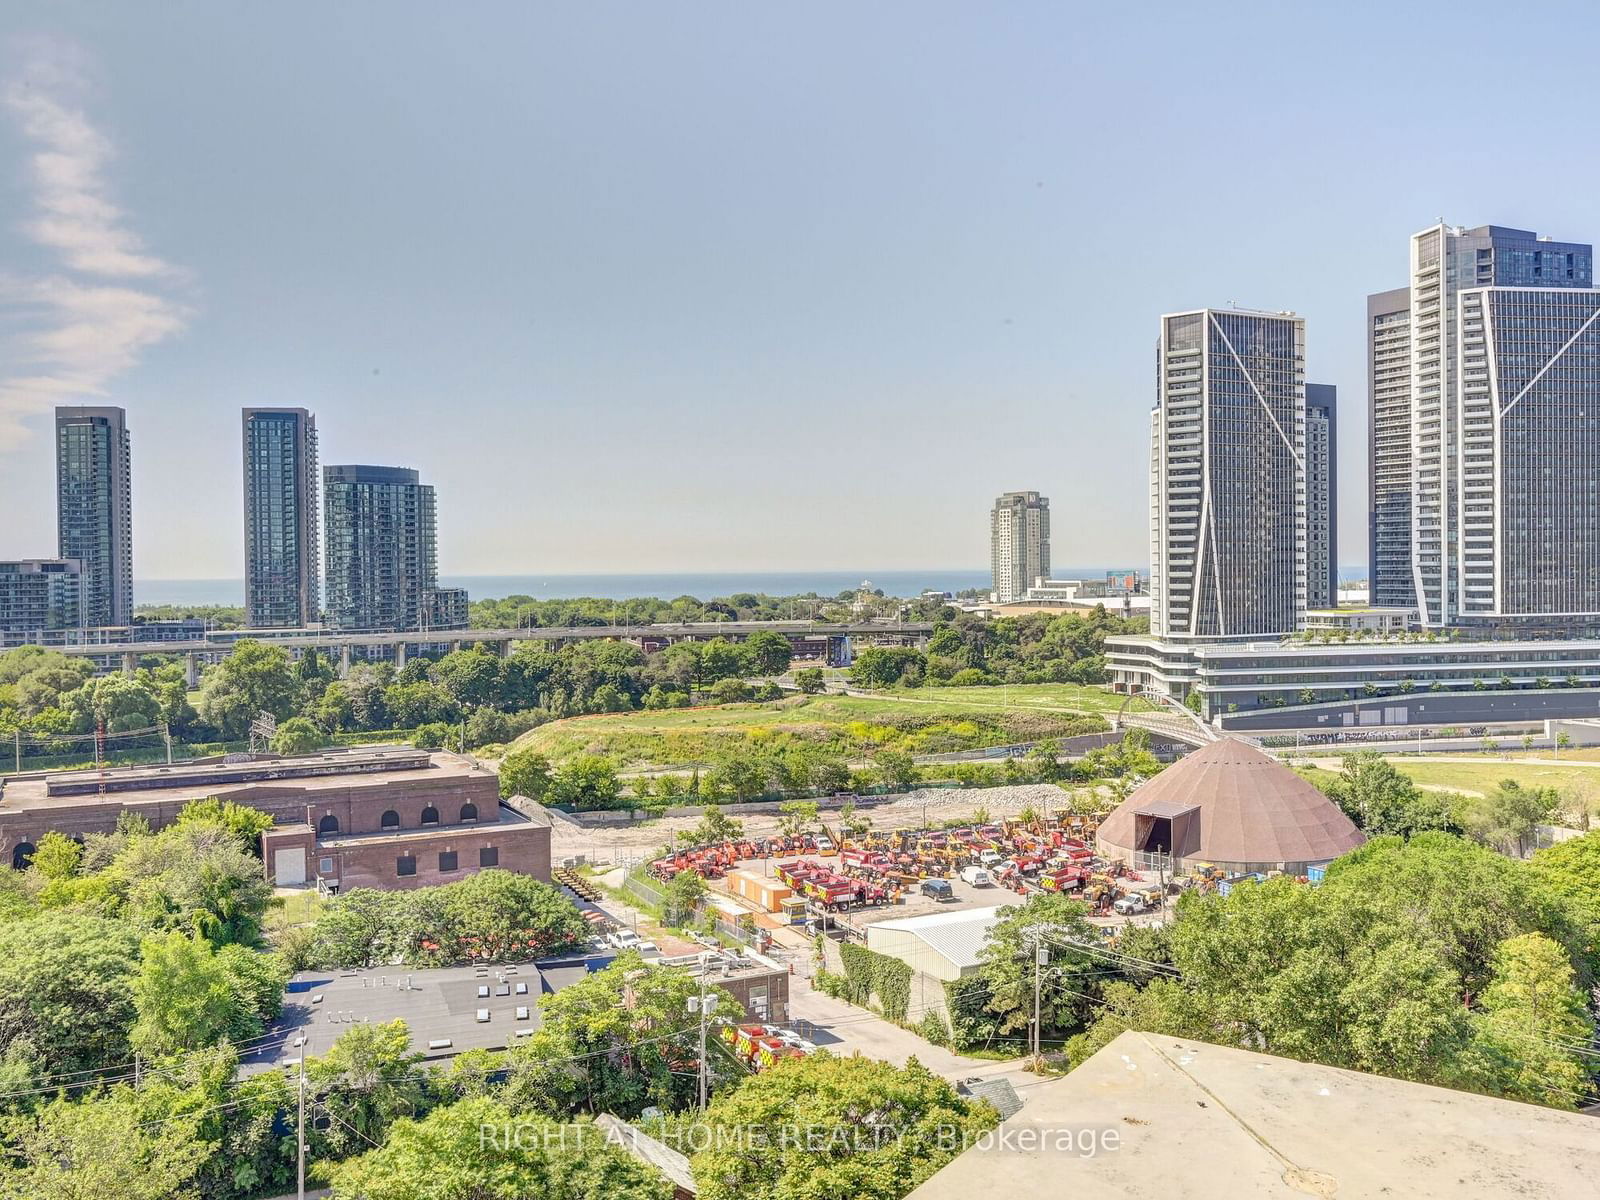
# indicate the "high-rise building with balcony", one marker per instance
pixel 1483 376
pixel 281 529
pixel 1389 449
pixel 94 508
pixel 1322 495
pixel 380 553
pixel 1019 544
pixel 40 596
pixel 1228 475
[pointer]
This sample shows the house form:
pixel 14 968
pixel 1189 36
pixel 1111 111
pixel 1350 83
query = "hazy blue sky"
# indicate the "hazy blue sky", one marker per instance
pixel 655 287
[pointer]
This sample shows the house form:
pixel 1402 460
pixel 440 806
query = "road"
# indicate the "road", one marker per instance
pixel 842 1028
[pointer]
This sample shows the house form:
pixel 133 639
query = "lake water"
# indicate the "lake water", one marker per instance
pixel 703 585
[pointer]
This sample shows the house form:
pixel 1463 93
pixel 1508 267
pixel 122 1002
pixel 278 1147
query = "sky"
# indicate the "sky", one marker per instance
pixel 724 286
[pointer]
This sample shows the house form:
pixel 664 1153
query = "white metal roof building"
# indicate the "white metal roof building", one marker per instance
pixel 945 945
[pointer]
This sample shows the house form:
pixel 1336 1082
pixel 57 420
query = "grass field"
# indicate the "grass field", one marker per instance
pixel 921 723
pixel 1480 778
pixel 1042 697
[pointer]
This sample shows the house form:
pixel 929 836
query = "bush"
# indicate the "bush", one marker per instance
pixel 435 735
pixel 298 736
pixel 731 691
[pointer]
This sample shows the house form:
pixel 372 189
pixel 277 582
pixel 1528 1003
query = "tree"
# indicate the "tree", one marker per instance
pixel 471 677
pixel 1508 816
pixel 479 1148
pixel 66 990
pixel 298 735
pixel 809 680
pixel 103 1147
pixel 1338 975
pixel 896 769
pixel 256 677
pixel 1460 897
pixel 525 772
pixel 731 691
pixel 739 774
pixel 188 996
pixel 1570 870
pixel 797 816
pixel 827 774
pixel 721 659
pixel 196 878
pixel 246 824
pixel 615 1041
pixel 370 1078
pixel 57 856
pixel 496 914
pixel 1071 977
pixel 586 782
pixel 869 1131
pixel 714 826
pixel 1533 1025
pixel 769 651
pixel 683 893
pixel 1380 800
pixel 118 702
pixel 886 666
pixel 355 930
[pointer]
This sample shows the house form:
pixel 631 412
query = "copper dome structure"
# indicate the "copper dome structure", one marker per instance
pixel 1233 806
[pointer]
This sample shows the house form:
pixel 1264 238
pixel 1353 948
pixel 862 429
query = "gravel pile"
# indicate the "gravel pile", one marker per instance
pixel 1007 800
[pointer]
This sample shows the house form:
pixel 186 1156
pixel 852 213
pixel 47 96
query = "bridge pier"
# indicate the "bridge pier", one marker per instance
pixel 191 670
pixel 399 656
pixel 130 661
pixel 344 661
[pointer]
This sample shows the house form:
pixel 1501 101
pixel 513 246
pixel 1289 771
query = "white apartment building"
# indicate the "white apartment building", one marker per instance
pixel 1019 544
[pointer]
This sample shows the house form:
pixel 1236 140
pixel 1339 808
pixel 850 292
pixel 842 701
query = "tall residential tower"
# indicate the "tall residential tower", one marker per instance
pixel 380 553
pixel 1485 438
pixel 1019 544
pixel 94 508
pixel 1322 495
pixel 1228 475
pixel 280 517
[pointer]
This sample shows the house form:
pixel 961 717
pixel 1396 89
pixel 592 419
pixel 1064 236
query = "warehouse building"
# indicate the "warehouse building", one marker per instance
pixel 944 945
pixel 371 816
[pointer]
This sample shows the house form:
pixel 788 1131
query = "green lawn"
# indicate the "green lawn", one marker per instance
pixel 851 726
pixel 1044 697
pixel 1482 777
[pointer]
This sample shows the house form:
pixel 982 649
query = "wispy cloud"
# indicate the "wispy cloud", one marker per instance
pixel 71 332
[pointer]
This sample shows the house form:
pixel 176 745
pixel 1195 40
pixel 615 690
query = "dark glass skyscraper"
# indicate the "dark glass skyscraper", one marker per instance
pixel 280 517
pixel 94 508
pixel 380 552
pixel 1228 475
pixel 1322 495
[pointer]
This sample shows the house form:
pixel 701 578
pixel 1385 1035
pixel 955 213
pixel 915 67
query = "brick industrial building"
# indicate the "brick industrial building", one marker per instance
pixel 379 817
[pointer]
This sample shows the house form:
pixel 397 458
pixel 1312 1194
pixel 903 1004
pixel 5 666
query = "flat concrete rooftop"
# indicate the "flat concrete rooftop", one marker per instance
pixel 356 768
pixel 1161 1116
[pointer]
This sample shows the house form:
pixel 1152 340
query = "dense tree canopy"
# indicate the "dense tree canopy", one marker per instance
pixel 447 1155
pixel 862 1130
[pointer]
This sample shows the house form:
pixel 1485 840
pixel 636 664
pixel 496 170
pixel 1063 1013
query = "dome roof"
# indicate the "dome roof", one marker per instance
pixel 1230 803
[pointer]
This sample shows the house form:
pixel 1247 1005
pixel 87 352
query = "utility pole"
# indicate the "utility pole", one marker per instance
pixel 1039 955
pixel 705 966
pixel 300 1129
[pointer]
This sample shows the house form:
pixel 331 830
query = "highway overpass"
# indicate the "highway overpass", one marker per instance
pixel 824 642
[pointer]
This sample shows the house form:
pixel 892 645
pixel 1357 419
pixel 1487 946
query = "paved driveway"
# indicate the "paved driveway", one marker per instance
pixel 842 1028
